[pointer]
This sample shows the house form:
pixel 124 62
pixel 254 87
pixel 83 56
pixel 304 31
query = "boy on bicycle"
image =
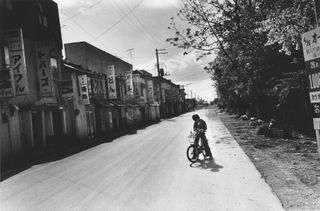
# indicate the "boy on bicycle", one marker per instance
pixel 200 127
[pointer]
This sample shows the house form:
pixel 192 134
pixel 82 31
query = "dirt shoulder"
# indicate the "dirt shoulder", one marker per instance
pixel 290 166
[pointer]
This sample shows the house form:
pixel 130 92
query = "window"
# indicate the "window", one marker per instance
pixel 41 17
pixel 8 4
pixel 6 56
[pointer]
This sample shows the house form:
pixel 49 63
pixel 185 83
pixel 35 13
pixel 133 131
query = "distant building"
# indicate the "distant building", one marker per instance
pixel 118 85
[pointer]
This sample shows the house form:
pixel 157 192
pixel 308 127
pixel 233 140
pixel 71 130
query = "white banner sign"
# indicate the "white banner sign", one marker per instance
pixel 311 44
pixel 84 91
pixel 18 61
pixel 315 97
pixel 316 123
pixel 129 84
pixel 150 91
pixel 43 50
pixel 111 81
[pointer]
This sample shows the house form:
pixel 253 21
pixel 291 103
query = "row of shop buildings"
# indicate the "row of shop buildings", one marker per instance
pixel 46 100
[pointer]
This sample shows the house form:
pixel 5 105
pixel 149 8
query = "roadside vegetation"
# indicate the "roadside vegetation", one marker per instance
pixel 258 66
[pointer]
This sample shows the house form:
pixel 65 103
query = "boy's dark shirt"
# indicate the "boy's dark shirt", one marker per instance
pixel 200 124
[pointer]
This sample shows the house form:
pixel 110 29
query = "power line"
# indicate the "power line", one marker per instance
pixel 85 9
pixel 130 22
pixel 116 23
pixel 143 27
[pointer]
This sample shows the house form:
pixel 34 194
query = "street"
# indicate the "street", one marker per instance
pixel 145 171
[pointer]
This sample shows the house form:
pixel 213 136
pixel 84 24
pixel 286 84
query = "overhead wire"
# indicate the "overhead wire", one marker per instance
pixel 116 23
pixel 80 12
pixel 142 26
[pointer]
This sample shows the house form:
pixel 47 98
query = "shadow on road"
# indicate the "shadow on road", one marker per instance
pixel 207 164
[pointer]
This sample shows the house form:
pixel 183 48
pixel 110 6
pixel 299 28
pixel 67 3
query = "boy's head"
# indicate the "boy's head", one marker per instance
pixel 195 117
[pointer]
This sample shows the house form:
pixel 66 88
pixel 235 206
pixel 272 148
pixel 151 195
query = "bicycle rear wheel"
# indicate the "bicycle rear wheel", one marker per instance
pixel 193 153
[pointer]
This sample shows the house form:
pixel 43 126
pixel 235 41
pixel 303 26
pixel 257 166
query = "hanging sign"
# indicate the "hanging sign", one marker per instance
pixel 6 85
pixel 84 90
pixel 311 52
pixel 150 91
pixel 129 84
pixel 18 61
pixel 111 81
pixel 43 50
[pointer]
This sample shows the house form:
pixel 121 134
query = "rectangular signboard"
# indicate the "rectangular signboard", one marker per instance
pixel 150 94
pixel 14 38
pixel 311 44
pixel 43 63
pixel 316 123
pixel 111 81
pixel 129 84
pixel 84 90
pixel 6 83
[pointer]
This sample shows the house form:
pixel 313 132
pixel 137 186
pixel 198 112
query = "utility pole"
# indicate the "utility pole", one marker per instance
pixel 317 11
pixel 159 51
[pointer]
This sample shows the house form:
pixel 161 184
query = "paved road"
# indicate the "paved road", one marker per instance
pixel 145 171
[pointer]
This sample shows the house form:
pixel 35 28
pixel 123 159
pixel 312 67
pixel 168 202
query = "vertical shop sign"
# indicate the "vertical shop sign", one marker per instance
pixel 6 86
pixel 129 84
pixel 84 90
pixel 111 81
pixel 150 91
pixel 18 61
pixel 43 50
pixel 311 52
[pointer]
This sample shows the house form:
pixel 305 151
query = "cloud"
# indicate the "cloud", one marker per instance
pixel 73 3
pixel 156 4
pixel 161 4
pixel 187 68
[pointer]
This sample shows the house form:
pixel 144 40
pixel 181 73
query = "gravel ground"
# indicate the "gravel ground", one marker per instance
pixel 290 166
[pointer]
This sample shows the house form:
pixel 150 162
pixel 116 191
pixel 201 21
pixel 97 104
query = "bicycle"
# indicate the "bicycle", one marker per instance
pixel 194 150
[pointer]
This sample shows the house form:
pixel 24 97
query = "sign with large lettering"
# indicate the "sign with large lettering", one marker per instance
pixel 18 61
pixel 129 84
pixel 150 94
pixel 311 51
pixel 84 89
pixel 43 50
pixel 6 83
pixel 111 81
pixel 67 90
pixel 311 44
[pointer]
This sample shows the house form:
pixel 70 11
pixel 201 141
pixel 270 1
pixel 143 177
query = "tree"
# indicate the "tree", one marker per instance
pixel 248 38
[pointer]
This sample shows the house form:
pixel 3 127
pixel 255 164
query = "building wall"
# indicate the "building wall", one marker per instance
pixel 94 59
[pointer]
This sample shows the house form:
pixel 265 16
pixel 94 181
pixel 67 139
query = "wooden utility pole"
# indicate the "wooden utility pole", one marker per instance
pixel 160 51
pixel 317 11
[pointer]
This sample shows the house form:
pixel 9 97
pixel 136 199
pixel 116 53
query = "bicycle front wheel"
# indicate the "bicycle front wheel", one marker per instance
pixel 193 153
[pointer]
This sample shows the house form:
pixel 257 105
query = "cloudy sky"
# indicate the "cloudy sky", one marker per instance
pixel 116 26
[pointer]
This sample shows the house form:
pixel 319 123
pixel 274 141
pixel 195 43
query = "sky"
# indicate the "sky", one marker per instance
pixel 121 27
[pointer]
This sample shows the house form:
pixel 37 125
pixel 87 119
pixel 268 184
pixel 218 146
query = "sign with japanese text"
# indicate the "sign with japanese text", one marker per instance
pixel 311 44
pixel 84 90
pixel 43 50
pixel 129 84
pixel 311 51
pixel 316 123
pixel 6 83
pixel 18 61
pixel 313 72
pixel 98 88
pixel 150 94
pixel 67 90
pixel 111 81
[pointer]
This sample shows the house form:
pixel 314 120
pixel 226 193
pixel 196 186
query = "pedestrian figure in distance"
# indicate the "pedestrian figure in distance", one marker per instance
pixel 200 127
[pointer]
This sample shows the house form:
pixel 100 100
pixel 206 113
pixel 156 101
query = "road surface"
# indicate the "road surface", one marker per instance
pixel 145 171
